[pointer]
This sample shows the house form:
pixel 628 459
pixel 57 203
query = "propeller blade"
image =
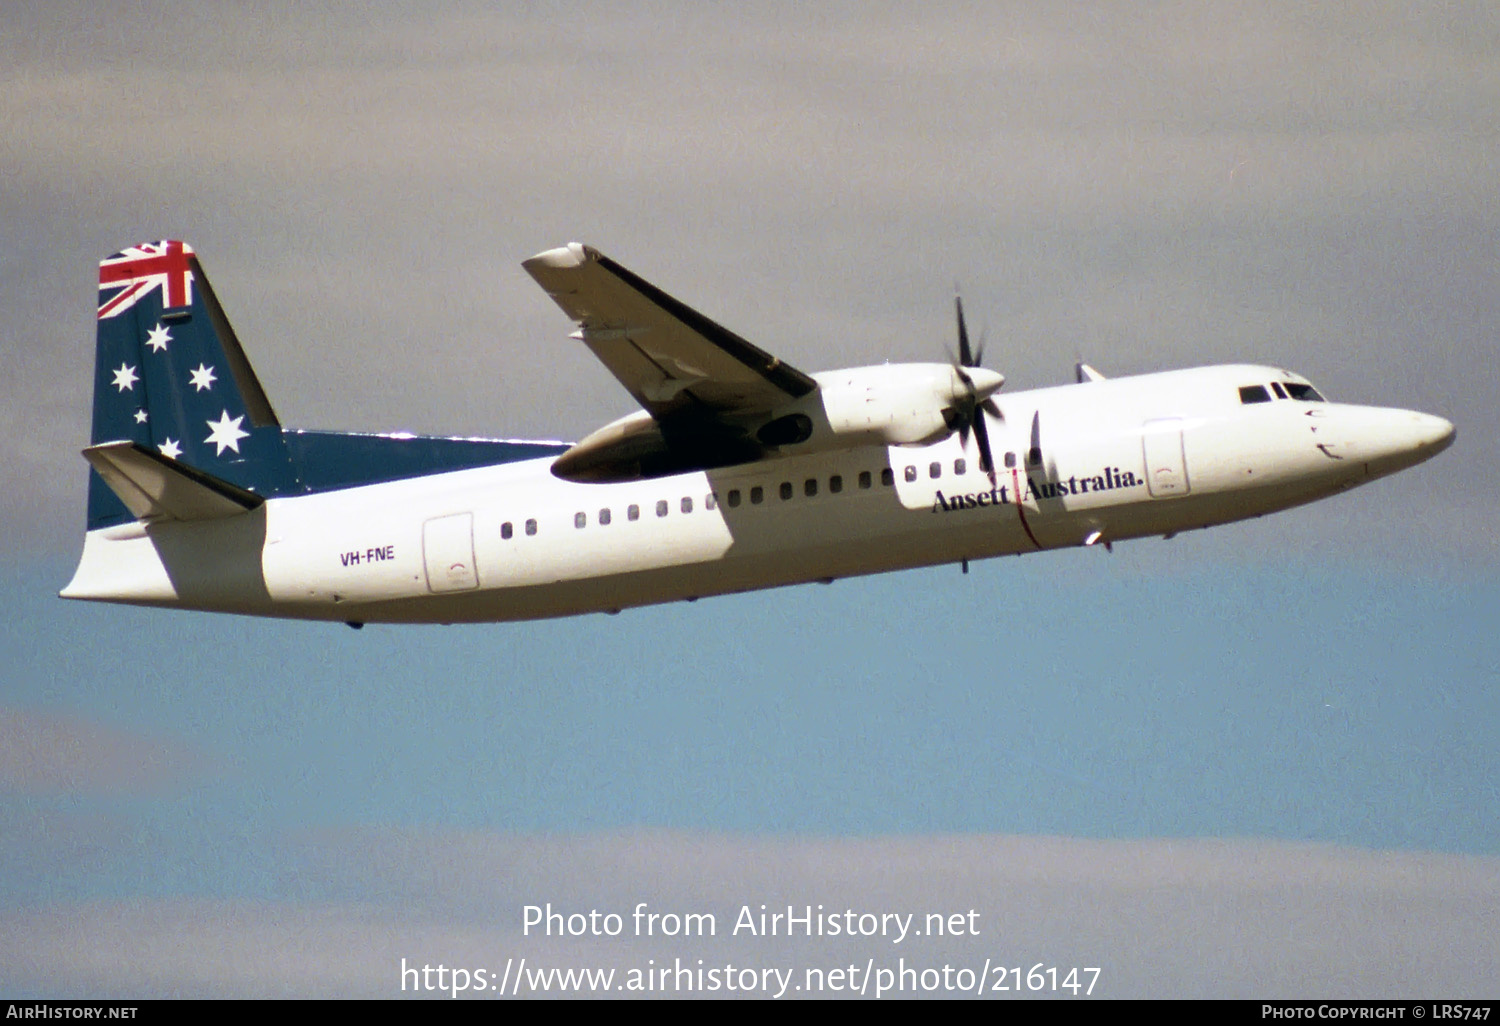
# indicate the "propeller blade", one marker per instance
pixel 986 457
pixel 965 354
pixel 960 418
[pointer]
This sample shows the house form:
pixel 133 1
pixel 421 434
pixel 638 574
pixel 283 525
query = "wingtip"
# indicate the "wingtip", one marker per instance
pixel 574 254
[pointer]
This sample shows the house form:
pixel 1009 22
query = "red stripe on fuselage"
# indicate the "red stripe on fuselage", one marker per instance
pixel 1015 477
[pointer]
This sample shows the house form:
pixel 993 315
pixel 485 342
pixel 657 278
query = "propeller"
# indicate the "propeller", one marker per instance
pixel 969 412
pixel 1034 455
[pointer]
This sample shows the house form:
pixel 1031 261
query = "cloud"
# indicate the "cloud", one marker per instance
pixel 1033 116
pixel 54 754
pixel 1180 918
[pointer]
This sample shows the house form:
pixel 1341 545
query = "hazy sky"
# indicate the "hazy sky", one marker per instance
pixel 1258 761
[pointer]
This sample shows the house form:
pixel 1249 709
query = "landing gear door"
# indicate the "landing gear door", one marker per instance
pixel 448 548
pixel 1166 466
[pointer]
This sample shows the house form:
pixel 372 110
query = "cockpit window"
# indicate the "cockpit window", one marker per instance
pixel 1306 393
pixel 1254 394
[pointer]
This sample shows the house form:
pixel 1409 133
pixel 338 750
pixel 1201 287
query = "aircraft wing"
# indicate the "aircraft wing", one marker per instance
pixel 679 364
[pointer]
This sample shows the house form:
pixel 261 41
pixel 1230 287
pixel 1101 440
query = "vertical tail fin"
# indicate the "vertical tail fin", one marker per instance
pixel 169 375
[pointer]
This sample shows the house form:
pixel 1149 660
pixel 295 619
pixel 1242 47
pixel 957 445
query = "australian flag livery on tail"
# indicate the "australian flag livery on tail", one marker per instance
pixel 175 399
pixel 172 379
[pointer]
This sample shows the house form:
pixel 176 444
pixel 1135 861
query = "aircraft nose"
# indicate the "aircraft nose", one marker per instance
pixel 1388 440
pixel 1430 431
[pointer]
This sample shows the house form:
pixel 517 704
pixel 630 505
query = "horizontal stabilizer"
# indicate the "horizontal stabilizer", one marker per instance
pixel 156 487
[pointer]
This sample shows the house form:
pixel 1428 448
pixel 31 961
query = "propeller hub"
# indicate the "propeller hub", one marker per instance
pixel 982 380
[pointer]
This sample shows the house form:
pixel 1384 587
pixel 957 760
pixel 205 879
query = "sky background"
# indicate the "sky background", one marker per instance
pixel 1256 761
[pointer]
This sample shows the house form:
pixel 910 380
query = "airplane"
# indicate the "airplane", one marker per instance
pixel 738 472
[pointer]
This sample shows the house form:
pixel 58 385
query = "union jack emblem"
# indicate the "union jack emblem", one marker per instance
pixel 128 275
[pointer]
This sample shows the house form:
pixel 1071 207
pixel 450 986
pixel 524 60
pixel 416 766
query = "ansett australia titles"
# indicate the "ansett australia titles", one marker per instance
pixel 750 921
pixel 1107 480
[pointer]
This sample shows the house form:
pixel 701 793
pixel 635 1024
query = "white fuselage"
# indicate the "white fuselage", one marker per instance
pixel 1119 459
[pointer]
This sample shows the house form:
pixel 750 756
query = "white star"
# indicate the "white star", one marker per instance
pixel 140 416
pixel 203 377
pixel 158 338
pixel 125 378
pixel 171 449
pixel 226 433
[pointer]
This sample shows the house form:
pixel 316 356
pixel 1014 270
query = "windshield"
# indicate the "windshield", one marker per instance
pixel 1306 393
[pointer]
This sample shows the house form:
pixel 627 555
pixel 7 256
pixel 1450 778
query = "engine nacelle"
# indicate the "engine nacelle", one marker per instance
pixel 898 404
pixel 888 404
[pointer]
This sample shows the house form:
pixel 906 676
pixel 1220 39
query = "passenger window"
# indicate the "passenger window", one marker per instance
pixel 835 484
pixel 810 487
pixel 734 497
pixel 959 466
pixel 786 490
pixel 531 527
pixel 1280 392
pixel 757 493
pixel 710 501
pixel 505 530
pixel 604 518
pixel 661 507
pixel 632 512
pixel 580 519
pixel 888 476
pixel 864 479
pixel 1254 394
pixel 687 504
pixel 934 470
pixel 911 473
